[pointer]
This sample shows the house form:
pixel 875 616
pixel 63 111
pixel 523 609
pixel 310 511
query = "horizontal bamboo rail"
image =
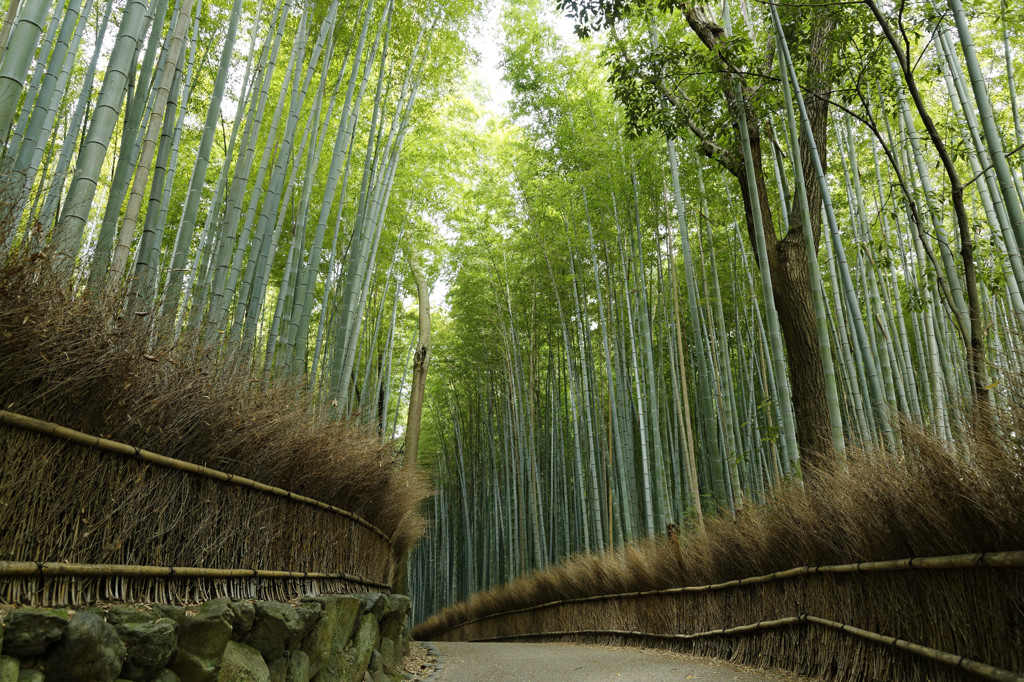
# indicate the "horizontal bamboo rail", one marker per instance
pixel 55 569
pixel 1010 559
pixel 970 665
pixel 19 421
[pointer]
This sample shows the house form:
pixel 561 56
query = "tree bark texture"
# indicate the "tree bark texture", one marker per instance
pixel 787 257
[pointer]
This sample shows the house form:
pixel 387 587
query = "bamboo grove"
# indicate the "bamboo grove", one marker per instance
pixel 712 247
pixel 720 245
pixel 232 170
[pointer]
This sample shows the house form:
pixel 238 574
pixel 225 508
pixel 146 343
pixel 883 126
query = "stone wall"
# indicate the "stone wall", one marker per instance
pixel 338 638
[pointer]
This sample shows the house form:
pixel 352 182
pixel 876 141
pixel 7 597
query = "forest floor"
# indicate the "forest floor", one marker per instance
pixel 464 662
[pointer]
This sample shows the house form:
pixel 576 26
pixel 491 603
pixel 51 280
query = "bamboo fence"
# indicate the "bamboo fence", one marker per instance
pixel 79 525
pixel 825 621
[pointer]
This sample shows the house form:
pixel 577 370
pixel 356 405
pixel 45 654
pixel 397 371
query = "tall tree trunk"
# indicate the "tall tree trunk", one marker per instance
pixel 420 362
pixel 788 257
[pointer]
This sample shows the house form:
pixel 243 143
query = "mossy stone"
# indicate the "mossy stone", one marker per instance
pixel 298 667
pixel 280 626
pixel 278 669
pixel 201 642
pixel 240 614
pixel 166 675
pixel 349 663
pixel 30 632
pixel 119 615
pixel 387 655
pixel 150 647
pixel 332 630
pixel 90 651
pixel 9 669
pixel 376 662
pixel 399 605
pixel 92 609
pixel 274 625
pixel 308 614
pixel 175 613
pixel 375 603
pixel 364 643
pixel 242 663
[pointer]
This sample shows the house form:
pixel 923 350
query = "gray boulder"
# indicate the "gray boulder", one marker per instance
pixel 89 652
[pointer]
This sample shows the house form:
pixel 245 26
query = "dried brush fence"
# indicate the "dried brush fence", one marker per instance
pixel 764 620
pixel 254 492
pixel 87 519
pixel 907 568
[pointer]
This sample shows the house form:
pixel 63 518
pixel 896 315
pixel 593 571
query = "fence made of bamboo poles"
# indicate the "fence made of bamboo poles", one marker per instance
pixel 88 519
pixel 944 617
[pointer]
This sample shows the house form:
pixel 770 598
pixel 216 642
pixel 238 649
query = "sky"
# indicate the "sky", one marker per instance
pixel 488 43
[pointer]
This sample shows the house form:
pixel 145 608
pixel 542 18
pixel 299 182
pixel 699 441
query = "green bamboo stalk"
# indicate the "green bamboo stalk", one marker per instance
pixel 71 225
pixel 19 50
pixel 186 227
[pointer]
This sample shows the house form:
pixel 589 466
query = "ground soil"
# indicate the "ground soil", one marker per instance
pixel 464 662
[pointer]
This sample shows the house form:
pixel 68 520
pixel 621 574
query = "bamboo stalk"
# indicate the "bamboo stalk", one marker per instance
pixel 56 431
pixel 984 670
pixel 1008 559
pixel 53 569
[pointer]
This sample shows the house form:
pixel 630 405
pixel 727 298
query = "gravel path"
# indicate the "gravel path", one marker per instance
pixel 465 662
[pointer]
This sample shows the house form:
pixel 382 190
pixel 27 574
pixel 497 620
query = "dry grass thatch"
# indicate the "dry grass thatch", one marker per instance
pixel 69 359
pixel 933 499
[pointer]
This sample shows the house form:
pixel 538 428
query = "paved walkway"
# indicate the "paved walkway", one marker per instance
pixel 465 662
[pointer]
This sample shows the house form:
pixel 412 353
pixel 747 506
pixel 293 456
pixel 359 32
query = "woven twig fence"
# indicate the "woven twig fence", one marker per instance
pixel 936 618
pixel 85 519
pixel 983 670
